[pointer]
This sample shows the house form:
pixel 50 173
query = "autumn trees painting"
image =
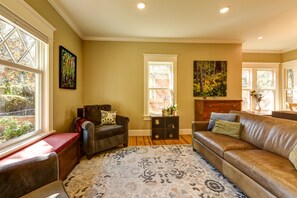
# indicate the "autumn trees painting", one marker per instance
pixel 210 78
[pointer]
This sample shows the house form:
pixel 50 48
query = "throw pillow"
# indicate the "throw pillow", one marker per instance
pixel 227 128
pixel 293 156
pixel 108 117
pixel 220 116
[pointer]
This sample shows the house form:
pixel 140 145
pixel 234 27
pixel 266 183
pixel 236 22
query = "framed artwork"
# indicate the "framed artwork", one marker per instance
pixel 210 78
pixel 67 72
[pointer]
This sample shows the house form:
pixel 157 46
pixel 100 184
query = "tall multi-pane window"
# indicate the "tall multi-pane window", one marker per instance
pixel 160 82
pixel 263 81
pixel 246 88
pixel 22 62
pixel 290 84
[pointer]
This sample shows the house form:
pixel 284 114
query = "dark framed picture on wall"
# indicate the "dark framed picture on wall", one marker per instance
pixel 210 78
pixel 67 72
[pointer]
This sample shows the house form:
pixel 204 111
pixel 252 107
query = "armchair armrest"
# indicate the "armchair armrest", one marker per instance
pixel 22 177
pixel 88 136
pixel 122 120
pixel 199 126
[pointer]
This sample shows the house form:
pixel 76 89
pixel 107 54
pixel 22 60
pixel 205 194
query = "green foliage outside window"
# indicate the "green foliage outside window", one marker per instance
pixel 11 128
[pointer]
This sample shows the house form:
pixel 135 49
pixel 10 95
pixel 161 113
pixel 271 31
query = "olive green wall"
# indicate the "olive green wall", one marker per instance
pixel 113 73
pixel 289 56
pixel 65 101
pixel 262 57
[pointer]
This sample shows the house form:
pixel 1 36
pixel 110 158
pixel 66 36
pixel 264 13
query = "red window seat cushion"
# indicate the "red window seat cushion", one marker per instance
pixel 53 143
pixel 59 141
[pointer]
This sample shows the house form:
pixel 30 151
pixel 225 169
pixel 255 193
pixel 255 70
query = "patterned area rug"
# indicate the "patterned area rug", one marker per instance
pixel 174 171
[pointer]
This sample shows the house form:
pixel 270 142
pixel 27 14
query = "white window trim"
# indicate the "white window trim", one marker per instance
pixel 285 66
pixel 158 58
pixel 28 14
pixel 276 66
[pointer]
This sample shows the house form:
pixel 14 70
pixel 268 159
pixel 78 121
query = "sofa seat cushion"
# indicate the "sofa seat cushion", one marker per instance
pixel 220 143
pixel 106 131
pixel 275 173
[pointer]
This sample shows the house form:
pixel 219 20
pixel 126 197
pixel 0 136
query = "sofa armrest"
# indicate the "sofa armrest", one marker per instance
pixel 199 126
pixel 24 176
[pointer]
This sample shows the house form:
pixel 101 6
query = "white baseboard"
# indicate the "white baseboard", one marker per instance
pixel 148 132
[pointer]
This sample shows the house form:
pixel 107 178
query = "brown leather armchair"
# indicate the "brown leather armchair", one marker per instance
pixel 97 137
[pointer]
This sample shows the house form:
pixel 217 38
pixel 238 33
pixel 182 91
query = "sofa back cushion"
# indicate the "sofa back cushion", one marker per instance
pixel 282 138
pixel 93 112
pixel 255 128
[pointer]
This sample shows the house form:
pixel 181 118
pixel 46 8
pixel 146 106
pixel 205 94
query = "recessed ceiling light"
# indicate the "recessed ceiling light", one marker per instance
pixel 260 37
pixel 224 10
pixel 141 6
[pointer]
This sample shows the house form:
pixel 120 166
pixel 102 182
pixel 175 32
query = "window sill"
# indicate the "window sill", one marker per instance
pixel 146 117
pixel 22 144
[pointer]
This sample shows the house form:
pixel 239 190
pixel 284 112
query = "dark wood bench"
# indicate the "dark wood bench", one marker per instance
pixel 66 145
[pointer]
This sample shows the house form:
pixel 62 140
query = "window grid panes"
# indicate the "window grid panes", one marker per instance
pixel 290 82
pixel 20 81
pixel 263 81
pixel 16 45
pixel 246 87
pixel 160 86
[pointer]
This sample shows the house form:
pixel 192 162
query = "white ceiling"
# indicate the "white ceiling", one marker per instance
pixel 190 21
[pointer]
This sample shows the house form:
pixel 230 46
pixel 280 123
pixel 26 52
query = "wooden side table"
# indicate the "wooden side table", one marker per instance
pixel 165 127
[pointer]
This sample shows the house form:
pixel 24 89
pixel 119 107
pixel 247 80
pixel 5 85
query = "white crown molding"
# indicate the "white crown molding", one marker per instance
pixel 290 63
pixel 161 40
pixel 61 11
pixel 262 51
pixel 288 50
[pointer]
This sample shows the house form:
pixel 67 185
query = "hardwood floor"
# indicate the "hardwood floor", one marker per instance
pixel 147 141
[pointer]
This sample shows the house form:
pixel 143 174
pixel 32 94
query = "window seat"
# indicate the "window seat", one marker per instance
pixel 66 145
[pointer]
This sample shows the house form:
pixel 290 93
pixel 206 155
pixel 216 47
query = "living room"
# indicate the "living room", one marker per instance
pixel 112 72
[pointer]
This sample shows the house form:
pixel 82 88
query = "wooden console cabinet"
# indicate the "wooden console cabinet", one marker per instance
pixel 165 127
pixel 203 108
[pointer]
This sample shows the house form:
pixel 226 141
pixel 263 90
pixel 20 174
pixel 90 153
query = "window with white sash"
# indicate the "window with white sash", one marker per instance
pixel 160 82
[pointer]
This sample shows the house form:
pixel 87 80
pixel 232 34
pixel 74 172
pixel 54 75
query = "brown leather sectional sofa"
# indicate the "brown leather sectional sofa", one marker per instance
pixel 258 163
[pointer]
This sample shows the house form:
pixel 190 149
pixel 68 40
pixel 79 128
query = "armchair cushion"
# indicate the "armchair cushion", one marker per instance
pixel 108 117
pixel 108 131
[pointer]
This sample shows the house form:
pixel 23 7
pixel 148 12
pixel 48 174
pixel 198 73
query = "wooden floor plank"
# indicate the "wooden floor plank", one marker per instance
pixel 147 141
pixel 156 142
pixel 188 138
pixel 140 141
pixel 183 140
pixel 132 141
